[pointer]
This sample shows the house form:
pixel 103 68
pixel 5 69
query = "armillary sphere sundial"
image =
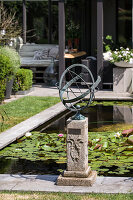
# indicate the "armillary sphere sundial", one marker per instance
pixel 73 87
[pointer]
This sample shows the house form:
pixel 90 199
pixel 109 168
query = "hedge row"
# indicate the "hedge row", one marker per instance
pixel 23 80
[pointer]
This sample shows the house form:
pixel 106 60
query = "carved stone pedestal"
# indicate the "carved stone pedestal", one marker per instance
pixel 78 173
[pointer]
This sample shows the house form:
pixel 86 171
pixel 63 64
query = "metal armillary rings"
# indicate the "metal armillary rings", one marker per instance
pixel 73 88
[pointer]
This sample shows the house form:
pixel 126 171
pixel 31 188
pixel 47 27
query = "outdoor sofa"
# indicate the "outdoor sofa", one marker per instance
pixel 38 57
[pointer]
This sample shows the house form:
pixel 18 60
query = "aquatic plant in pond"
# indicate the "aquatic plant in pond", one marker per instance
pixel 39 146
pixel 109 152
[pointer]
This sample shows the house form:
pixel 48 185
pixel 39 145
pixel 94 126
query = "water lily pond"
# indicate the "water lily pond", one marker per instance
pixel 44 151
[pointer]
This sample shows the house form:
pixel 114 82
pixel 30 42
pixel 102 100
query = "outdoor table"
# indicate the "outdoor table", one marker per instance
pixel 75 54
pixel 74 57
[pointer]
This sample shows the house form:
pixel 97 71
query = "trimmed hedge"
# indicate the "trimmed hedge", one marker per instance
pixel 23 80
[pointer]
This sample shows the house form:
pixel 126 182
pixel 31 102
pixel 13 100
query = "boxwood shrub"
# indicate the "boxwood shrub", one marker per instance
pixel 23 80
pixel 9 65
pixel 5 66
pixel 14 60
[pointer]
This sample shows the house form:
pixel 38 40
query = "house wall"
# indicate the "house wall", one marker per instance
pixel 109 17
pixel 93 27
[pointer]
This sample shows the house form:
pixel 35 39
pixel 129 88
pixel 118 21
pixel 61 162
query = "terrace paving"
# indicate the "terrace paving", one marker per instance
pixel 43 90
pixel 46 183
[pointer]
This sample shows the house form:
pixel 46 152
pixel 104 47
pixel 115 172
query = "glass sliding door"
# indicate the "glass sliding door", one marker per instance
pixel 124 23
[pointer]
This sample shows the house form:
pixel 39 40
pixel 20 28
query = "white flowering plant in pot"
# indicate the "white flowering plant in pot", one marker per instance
pixel 121 55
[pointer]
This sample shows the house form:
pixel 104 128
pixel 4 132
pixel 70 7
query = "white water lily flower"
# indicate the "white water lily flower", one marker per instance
pixel 28 134
pixel 118 134
pixel 96 140
pixel 127 49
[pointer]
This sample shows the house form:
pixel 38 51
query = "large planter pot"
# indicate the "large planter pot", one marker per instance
pixel 123 64
pixel 70 44
pixel 9 85
pixel 123 77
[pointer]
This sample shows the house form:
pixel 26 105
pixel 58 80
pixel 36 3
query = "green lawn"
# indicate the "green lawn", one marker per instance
pixel 62 196
pixel 23 108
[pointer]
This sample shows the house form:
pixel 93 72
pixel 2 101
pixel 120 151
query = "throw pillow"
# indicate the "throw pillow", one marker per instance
pixel 54 52
pixel 41 54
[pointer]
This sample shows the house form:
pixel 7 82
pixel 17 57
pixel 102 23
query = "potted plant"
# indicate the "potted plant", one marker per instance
pixel 14 61
pixel 121 57
pixel 72 34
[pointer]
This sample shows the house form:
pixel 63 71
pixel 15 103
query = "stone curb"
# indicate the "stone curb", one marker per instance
pixel 25 92
pixel 46 183
pixel 31 123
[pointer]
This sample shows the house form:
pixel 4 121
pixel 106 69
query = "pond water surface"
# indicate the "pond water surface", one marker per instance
pixel 100 118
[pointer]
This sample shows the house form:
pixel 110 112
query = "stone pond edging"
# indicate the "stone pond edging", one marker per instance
pixel 29 124
pixel 46 183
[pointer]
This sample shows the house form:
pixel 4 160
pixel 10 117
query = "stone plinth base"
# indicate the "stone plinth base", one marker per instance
pixel 78 174
pixel 74 181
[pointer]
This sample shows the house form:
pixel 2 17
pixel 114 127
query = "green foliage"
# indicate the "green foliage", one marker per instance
pixel 23 80
pixel 39 146
pixel 9 64
pixel 72 30
pixel 122 54
pixel 114 54
pixel 13 61
pixel 2 89
pixel 5 67
pixel 9 24
pixel 108 152
pixel 109 44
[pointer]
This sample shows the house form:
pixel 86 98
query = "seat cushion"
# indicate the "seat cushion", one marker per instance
pixel 29 62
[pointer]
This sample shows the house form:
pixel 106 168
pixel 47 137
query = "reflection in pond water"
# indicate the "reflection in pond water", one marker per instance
pixel 100 118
